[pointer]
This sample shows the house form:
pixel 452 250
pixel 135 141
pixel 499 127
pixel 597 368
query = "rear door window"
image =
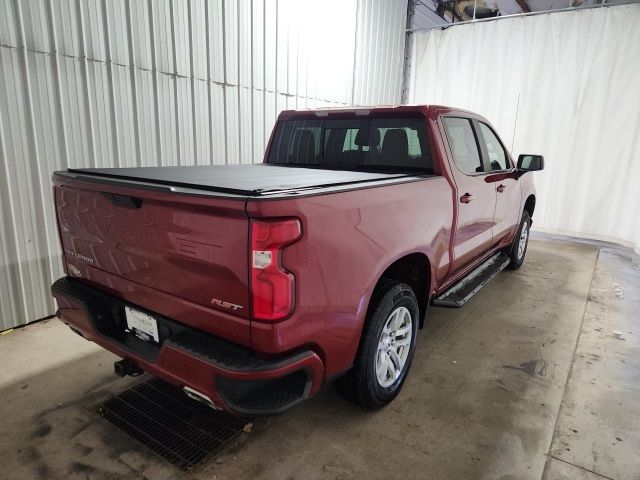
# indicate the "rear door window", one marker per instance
pixel 463 144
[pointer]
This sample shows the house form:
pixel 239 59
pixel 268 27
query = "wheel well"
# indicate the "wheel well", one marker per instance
pixel 530 205
pixel 414 270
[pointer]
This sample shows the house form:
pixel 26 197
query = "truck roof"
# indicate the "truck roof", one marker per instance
pixel 364 111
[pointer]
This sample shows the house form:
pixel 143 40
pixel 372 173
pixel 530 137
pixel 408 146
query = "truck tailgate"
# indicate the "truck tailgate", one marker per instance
pixel 191 249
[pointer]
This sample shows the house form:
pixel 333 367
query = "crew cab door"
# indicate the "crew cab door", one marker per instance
pixel 504 179
pixel 475 198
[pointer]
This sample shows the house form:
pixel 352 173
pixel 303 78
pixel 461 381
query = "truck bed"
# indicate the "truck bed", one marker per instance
pixel 246 180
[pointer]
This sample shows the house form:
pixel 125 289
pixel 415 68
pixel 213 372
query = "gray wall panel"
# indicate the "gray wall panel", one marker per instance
pixel 99 83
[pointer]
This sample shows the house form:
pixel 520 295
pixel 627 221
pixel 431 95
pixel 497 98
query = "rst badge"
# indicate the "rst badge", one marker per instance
pixel 221 303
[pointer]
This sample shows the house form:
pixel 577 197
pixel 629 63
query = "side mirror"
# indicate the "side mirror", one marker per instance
pixel 530 163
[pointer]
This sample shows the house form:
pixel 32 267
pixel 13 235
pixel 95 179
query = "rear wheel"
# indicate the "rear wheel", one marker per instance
pixel 520 242
pixel 386 348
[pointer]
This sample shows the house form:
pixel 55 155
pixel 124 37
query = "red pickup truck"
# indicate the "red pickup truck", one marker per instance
pixel 250 286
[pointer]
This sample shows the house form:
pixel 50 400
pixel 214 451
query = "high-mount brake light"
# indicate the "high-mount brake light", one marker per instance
pixel 272 286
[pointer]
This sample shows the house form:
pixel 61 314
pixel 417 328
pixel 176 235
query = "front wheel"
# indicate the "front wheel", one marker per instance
pixel 386 348
pixel 520 242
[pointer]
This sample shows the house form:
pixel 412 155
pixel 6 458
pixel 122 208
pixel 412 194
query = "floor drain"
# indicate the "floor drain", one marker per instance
pixel 180 430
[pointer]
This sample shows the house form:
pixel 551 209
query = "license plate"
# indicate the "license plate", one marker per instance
pixel 142 325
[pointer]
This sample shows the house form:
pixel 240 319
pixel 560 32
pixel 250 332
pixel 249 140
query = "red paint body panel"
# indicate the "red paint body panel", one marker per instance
pixel 348 240
pixel 172 255
pixel 176 253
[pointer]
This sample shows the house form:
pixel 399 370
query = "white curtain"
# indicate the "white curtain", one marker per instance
pixel 565 85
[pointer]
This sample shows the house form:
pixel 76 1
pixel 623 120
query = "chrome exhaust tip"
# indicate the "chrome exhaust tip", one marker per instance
pixel 200 397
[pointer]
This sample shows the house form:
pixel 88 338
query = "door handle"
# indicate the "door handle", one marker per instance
pixel 466 198
pixel 501 188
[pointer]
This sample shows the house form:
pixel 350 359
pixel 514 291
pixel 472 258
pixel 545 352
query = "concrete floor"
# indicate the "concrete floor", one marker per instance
pixel 525 382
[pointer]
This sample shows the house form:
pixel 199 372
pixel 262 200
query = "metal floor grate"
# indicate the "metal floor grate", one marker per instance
pixel 180 430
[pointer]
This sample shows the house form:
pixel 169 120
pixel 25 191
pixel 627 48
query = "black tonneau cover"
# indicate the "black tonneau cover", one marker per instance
pixel 252 180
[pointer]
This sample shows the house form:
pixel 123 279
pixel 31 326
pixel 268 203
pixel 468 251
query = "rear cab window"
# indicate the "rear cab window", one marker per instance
pixel 367 144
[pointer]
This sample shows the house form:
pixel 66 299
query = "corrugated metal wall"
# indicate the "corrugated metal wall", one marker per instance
pixel 87 83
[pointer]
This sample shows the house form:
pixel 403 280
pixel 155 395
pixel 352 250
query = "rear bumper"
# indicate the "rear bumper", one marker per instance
pixel 229 375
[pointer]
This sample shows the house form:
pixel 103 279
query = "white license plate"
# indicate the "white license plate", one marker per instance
pixel 142 325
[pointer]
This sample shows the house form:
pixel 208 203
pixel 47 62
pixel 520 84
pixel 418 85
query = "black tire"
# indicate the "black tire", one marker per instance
pixel 361 384
pixel 517 259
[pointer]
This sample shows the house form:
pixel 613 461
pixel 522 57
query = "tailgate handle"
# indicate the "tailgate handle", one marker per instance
pixel 124 201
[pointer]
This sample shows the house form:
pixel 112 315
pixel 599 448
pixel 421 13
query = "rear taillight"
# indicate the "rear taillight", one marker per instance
pixel 272 286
